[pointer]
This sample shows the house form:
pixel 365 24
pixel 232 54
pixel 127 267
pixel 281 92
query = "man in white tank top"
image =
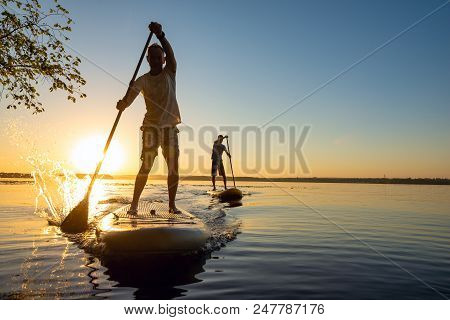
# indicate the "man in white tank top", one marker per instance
pixel 162 116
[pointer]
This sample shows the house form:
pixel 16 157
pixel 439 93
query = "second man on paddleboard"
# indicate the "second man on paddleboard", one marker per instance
pixel 217 163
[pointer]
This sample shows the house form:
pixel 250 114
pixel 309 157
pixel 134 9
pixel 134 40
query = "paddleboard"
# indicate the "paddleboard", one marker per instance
pixel 153 230
pixel 231 194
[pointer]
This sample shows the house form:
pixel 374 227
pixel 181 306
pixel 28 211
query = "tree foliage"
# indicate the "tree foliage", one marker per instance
pixel 32 53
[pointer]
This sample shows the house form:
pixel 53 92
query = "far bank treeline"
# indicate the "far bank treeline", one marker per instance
pixel 419 181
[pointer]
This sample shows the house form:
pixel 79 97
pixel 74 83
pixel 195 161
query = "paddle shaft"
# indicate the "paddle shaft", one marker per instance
pixel 99 165
pixel 231 164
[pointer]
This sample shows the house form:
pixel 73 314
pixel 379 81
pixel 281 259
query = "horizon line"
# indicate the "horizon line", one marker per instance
pixel 376 180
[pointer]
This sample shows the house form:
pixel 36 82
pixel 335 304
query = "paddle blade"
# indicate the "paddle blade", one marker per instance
pixel 77 220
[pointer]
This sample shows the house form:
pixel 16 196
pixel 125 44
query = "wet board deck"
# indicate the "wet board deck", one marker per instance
pixel 153 230
pixel 157 211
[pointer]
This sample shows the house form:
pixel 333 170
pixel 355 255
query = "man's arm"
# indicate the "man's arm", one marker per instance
pixel 171 63
pixel 126 101
pixel 226 151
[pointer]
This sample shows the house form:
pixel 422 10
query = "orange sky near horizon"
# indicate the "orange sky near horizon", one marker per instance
pixel 68 142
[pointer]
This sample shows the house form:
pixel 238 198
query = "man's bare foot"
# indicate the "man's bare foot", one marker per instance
pixel 173 209
pixel 214 189
pixel 133 210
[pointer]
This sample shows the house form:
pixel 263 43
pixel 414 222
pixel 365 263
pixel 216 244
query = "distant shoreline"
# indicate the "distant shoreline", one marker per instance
pixel 415 181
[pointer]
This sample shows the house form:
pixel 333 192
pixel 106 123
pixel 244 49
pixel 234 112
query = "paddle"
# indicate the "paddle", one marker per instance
pixel 231 164
pixel 77 220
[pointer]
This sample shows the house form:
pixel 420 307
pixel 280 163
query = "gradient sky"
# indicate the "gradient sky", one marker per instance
pixel 241 63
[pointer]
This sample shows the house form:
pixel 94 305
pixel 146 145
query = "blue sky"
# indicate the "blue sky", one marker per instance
pixel 241 63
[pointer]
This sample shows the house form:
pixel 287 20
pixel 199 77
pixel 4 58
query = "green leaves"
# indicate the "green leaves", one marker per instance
pixel 32 51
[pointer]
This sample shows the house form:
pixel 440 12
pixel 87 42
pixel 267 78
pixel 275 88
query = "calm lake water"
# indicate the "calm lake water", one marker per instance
pixel 286 241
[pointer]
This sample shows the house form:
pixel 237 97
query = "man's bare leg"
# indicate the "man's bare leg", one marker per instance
pixel 213 178
pixel 224 181
pixel 172 186
pixel 141 181
pixel 172 177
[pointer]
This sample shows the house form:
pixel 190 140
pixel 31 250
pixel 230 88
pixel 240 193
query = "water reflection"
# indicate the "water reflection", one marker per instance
pixel 233 204
pixel 155 276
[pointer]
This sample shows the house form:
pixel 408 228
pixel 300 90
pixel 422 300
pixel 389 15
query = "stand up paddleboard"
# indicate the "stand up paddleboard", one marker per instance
pixel 154 230
pixel 231 194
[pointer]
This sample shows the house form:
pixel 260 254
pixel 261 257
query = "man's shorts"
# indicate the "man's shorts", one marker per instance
pixel 217 164
pixel 153 137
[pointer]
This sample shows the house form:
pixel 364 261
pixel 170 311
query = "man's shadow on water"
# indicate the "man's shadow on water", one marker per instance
pixel 155 276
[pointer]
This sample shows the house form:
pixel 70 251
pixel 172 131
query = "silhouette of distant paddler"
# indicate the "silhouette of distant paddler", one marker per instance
pixel 217 164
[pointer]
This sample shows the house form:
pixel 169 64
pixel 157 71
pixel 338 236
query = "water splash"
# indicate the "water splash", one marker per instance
pixel 59 189
pixel 224 228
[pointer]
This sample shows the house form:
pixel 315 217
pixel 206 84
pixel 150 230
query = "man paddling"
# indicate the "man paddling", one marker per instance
pixel 217 163
pixel 160 121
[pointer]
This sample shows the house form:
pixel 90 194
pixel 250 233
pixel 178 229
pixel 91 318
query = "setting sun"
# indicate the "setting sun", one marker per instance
pixel 87 153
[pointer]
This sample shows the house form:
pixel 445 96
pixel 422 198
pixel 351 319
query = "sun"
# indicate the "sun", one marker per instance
pixel 88 152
